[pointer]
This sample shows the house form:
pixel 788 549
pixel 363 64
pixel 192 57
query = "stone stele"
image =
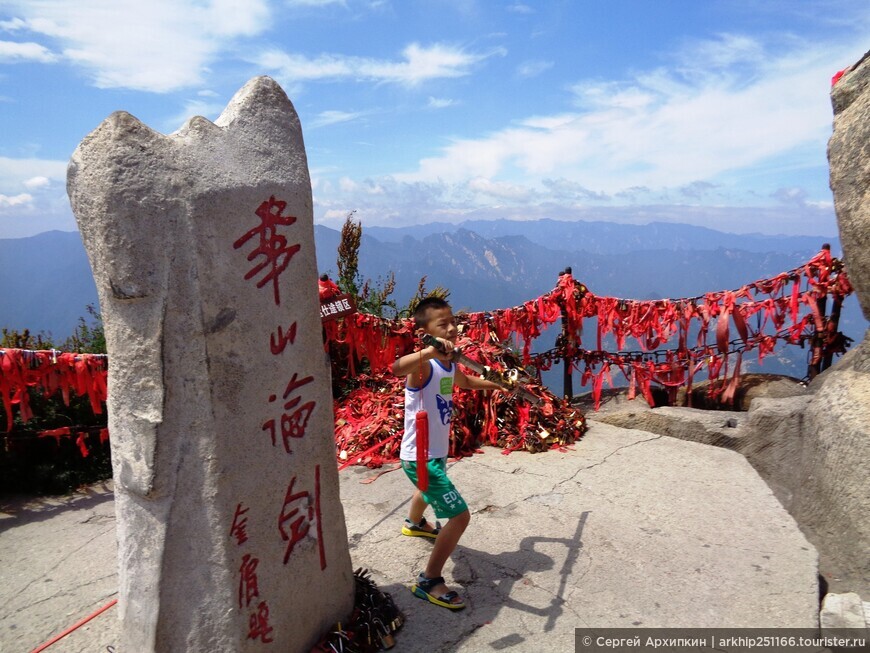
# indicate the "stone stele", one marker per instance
pixel 230 529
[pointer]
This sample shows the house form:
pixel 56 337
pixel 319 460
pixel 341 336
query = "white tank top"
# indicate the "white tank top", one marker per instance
pixel 436 398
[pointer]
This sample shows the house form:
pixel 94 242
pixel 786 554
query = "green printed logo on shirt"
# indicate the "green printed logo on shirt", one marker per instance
pixel 447 385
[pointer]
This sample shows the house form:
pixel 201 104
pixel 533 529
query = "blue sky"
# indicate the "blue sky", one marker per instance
pixel 710 112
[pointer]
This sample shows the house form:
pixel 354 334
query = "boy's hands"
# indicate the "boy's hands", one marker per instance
pixel 444 351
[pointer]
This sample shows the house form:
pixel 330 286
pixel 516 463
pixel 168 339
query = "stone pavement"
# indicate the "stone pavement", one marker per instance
pixel 628 529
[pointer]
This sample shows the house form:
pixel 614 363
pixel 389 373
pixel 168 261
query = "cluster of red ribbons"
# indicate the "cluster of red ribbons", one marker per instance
pixel 80 436
pixel 53 371
pixel 500 419
pixel 783 308
pixel 369 421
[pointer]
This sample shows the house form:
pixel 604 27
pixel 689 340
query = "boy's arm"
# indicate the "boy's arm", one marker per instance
pixel 473 382
pixel 409 365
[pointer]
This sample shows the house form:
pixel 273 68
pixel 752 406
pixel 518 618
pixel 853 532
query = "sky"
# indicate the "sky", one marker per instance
pixel 715 112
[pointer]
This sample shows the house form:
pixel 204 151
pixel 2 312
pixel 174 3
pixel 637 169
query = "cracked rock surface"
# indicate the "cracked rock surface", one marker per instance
pixel 627 529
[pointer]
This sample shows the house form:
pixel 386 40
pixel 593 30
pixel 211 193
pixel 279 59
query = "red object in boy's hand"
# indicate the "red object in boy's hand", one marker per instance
pixel 422 450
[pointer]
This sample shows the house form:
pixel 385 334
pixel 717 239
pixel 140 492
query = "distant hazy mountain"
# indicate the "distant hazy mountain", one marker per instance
pixel 610 237
pixel 46 282
pixel 484 273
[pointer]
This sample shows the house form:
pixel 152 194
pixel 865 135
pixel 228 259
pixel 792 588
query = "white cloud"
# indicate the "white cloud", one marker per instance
pixel 368 187
pixel 667 127
pixel 12 52
pixel 520 8
pixel 315 3
pixel 564 189
pixel 42 206
pixel 36 182
pixel 533 68
pixel 500 189
pixel 418 64
pixel 17 172
pixel 440 103
pixel 407 204
pixel 697 189
pixel 15 200
pixel 791 196
pixel 159 46
pixel 325 118
pixel 347 185
pixel 12 25
pixel 721 53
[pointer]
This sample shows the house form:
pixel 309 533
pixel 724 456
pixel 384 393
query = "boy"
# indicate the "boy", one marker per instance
pixel 429 379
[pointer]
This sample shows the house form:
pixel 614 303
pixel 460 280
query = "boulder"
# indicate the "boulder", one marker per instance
pixel 832 498
pixel 842 611
pixel 849 158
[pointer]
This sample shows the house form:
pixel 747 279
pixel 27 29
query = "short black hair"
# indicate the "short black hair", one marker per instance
pixel 423 307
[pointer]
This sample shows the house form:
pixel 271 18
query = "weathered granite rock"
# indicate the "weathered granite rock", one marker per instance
pixel 849 157
pixel 774 444
pixel 833 498
pixel 842 611
pixel 230 528
pixel 832 501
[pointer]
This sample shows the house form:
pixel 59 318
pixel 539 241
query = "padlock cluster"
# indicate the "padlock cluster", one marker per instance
pixel 372 625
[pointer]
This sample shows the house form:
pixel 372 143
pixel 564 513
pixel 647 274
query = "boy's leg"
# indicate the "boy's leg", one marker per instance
pixel 445 543
pixel 418 505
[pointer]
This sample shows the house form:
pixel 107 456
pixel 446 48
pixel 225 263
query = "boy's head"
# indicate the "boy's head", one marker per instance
pixel 434 316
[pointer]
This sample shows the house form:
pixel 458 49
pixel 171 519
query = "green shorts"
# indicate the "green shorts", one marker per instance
pixel 442 494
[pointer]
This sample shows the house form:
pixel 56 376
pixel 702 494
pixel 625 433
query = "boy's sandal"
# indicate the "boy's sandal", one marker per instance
pixel 419 530
pixel 424 585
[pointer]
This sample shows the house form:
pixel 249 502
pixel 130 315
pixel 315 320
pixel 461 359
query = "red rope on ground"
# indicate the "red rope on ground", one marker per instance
pixel 78 624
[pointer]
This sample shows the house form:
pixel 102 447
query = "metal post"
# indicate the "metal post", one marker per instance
pixel 831 327
pixel 567 379
pixel 816 363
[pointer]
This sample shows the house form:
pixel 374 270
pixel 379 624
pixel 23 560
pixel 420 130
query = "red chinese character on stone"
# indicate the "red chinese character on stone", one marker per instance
pixel 278 341
pixel 298 527
pixel 258 624
pixel 248 580
pixel 293 424
pixel 272 246
pixel 239 529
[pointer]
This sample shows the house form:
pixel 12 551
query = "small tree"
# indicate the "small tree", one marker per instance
pixel 421 294
pixel 373 297
pixel 25 340
pixel 348 256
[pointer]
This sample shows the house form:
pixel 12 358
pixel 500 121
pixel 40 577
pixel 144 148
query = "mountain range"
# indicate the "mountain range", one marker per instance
pixel 46 282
